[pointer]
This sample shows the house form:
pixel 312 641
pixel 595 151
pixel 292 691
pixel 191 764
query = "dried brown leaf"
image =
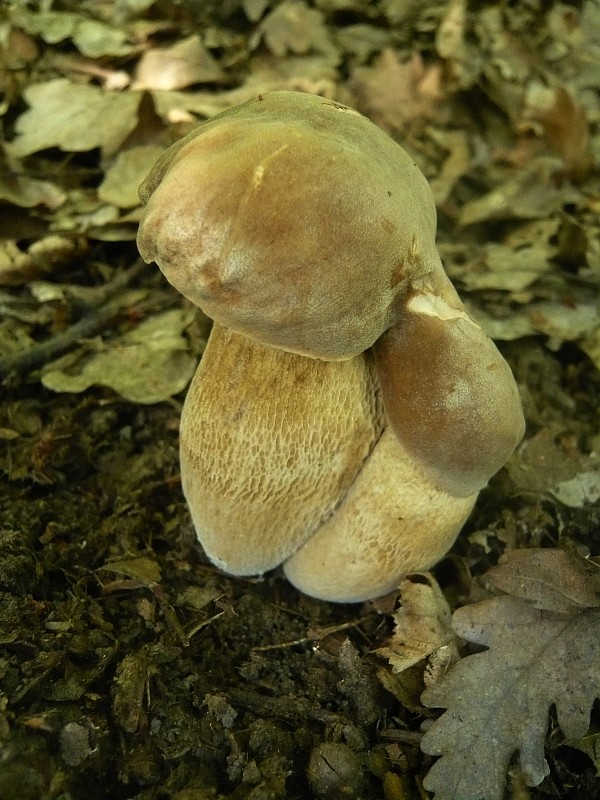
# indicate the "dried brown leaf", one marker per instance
pixel 498 701
pixel 397 94
pixel 546 463
pixel 553 579
pixel 563 122
pixel 422 627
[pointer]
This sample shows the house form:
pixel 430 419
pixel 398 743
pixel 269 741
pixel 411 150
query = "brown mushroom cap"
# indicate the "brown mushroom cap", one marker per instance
pixel 449 395
pixel 293 220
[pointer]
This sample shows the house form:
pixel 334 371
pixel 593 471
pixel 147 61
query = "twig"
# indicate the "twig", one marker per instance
pixel 313 635
pixel 93 322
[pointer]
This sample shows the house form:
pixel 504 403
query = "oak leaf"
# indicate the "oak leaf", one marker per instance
pixel 74 118
pixel 553 579
pixel 498 700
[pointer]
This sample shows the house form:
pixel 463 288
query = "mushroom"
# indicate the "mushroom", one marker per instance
pixel 347 409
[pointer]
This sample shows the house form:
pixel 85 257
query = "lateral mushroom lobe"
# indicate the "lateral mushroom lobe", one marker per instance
pixel 309 237
pixel 449 395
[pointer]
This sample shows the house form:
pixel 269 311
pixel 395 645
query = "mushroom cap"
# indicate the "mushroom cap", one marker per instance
pixel 449 395
pixel 293 220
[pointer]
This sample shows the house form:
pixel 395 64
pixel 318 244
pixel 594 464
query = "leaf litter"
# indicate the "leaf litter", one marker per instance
pixel 232 695
pixel 543 640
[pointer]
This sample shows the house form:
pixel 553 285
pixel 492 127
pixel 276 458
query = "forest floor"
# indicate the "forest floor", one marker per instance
pixel 129 666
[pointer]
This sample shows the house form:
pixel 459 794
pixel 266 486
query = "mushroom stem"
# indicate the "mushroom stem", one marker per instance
pixel 393 521
pixel 270 442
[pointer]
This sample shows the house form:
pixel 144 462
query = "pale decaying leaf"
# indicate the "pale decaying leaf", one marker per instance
pixel 183 64
pixel 147 365
pixel 91 37
pixel 498 701
pixel 74 118
pixel 590 343
pixel 43 256
pixel 422 629
pixel 580 490
pixel 143 569
pixel 463 59
pixel 562 120
pixel 559 321
pixel 254 9
pixel 26 192
pixel 534 192
pixel 455 165
pixel 309 73
pixel 398 94
pixel 498 266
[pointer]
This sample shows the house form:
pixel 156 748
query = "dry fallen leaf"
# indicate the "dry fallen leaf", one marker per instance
pixel 563 122
pixel 293 27
pixel 544 464
pixel 143 569
pixel 398 94
pixel 74 118
pixel 422 627
pixel 146 365
pixel 533 192
pixel 122 179
pixel 451 41
pixel 24 191
pixel 456 164
pixel 183 64
pixel 92 37
pixel 498 701
pixel 553 579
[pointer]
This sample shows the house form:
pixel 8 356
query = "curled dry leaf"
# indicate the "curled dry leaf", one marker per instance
pixel 146 365
pixel 563 122
pixel 422 628
pixel 534 192
pixel 123 177
pixel 498 701
pixel 293 27
pixel 463 59
pixel 545 464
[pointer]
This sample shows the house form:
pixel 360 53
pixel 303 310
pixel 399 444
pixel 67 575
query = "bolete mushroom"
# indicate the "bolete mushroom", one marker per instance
pixel 347 409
